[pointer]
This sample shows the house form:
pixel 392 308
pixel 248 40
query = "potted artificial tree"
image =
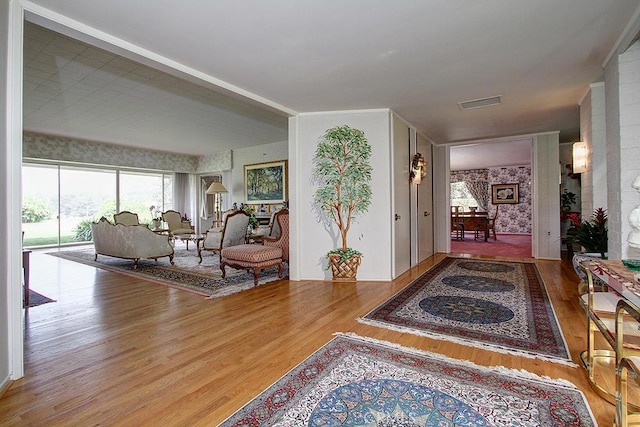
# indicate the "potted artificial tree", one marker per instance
pixel 343 173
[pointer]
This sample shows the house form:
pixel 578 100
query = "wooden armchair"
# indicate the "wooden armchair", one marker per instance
pixel 175 223
pixel 126 218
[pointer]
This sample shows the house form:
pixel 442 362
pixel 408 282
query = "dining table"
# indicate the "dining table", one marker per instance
pixel 478 222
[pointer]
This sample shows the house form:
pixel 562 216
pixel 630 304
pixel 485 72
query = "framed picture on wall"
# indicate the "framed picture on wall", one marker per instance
pixel 504 194
pixel 265 182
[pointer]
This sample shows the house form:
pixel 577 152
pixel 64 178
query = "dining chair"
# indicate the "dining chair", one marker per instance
pixel 457 226
pixel 491 224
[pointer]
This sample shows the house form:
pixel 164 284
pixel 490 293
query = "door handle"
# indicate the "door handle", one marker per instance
pixel 398 217
pixel 427 213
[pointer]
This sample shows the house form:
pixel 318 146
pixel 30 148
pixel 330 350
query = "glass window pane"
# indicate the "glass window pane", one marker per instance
pixel 168 192
pixel 39 205
pixel 141 193
pixel 85 196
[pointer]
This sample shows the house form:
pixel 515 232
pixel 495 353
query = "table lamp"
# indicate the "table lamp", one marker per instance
pixel 216 188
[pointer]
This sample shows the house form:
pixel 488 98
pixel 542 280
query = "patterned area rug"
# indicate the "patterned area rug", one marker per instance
pixel 36 299
pixel 355 381
pixel 186 274
pixel 498 305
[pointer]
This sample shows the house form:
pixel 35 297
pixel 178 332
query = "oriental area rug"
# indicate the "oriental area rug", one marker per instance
pixel 186 274
pixel 356 381
pixel 36 299
pixel 497 305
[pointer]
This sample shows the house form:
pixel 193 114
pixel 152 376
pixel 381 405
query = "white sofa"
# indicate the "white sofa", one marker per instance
pixel 129 241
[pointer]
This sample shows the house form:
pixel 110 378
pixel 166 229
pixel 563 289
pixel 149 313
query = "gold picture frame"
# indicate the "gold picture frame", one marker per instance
pixel 265 182
pixel 505 194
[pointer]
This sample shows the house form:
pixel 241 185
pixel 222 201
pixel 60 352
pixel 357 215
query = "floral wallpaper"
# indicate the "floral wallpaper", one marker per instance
pixel 216 163
pixel 36 146
pixel 470 174
pixel 513 218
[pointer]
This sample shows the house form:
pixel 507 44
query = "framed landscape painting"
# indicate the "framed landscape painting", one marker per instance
pixel 265 182
pixel 504 193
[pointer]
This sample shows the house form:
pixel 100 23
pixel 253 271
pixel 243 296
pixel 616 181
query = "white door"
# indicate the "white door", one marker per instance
pixel 424 211
pixel 401 196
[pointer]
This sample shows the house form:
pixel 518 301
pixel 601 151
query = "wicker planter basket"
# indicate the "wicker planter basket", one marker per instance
pixel 346 270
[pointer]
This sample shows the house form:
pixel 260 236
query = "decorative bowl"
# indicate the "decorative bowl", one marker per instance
pixel 632 264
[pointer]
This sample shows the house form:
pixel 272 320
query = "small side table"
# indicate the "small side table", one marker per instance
pixel 195 238
pixel 26 255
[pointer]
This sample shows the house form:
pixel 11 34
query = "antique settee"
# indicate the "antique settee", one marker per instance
pixel 129 241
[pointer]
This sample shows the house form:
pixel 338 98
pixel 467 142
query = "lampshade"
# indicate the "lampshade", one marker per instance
pixel 216 188
pixel 579 157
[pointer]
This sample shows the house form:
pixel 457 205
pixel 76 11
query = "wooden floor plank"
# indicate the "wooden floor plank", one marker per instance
pixel 114 349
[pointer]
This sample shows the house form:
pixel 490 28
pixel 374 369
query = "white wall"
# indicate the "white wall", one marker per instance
pixel 11 342
pixel 371 232
pixel 593 132
pixel 247 156
pixel 4 186
pixel 622 91
pixel 441 197
pixel 546 199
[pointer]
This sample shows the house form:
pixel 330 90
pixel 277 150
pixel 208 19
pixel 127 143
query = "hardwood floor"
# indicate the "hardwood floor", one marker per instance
pixel 116 350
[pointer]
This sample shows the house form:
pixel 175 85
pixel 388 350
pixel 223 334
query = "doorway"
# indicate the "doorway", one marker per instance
pixel 476 172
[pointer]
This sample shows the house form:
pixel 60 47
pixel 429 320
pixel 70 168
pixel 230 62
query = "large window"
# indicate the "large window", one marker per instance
pixel 60 201
pixel 460 196
pixel 143 194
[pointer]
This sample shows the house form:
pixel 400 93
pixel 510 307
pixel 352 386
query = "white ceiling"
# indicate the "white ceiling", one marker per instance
pixel 490 154
pixel 417 57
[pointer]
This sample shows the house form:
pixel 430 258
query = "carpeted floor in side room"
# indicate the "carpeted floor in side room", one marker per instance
pixel 507 245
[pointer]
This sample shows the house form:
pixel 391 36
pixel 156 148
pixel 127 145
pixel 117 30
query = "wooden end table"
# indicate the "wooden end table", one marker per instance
pixel 195 238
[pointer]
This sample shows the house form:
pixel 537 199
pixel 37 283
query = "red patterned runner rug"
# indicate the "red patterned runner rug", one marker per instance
pixel 497 305
pixel 358 381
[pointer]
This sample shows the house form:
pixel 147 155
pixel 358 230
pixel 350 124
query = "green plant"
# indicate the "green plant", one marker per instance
pixel 83 231
pixel 591 234
pixel 253 220
pixel 343 173
pixel 34 210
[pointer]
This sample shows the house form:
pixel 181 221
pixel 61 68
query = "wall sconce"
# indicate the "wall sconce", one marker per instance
pixel 579 157
pixel 418 169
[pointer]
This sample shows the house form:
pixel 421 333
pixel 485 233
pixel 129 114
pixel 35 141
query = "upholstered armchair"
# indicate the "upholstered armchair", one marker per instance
pixel 273 252
pixel 175 223
pixel 233 232
pixel 271 230
pixel 126 218
pixel 281 221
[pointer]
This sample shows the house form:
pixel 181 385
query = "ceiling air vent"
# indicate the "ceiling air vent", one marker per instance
pixel 482 102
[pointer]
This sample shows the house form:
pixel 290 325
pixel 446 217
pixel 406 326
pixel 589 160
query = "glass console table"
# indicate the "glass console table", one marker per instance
pixel 613 325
